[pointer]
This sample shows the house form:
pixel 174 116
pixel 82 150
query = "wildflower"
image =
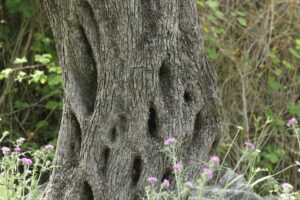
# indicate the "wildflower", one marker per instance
pixel 26 161
pixel 169 141
pixel 215 160
pixel 177 166
pixel 49 147
pixel 208 172
pixel 189 184
pixel 286 187
pixel 249 145
pixel 299 170
pixel 152 179
pixel 17 149
pixel 166 183
pixel 291 122
pixel 5 150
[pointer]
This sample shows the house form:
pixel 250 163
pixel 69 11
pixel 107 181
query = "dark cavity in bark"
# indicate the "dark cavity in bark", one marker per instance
pixel 76 140
pixel 187 96
pixel 113 134
pixel 165 80
pixel 199 121
pixel 105 157
pixel 136 170
pixel 87 193
pixel 152 122
pixel 167 175
pixel 88 86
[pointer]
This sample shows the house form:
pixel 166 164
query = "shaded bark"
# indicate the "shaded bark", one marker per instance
pixel 134 74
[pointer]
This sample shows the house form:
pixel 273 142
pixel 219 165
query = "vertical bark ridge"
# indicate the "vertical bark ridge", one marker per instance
pixel 81 81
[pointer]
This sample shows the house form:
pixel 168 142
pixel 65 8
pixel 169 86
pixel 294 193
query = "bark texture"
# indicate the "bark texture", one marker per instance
pixel 134 74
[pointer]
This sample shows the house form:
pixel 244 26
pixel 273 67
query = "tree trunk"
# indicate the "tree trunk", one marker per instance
pixel 134 74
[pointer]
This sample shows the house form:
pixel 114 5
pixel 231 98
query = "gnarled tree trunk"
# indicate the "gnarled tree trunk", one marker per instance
pixel 134 74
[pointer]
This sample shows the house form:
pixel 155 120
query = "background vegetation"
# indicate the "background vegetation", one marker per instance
pixel 254 46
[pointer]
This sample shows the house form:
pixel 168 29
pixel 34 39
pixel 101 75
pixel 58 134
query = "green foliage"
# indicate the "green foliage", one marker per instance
pixel 273 154
pixel 255 50
pixel 29 74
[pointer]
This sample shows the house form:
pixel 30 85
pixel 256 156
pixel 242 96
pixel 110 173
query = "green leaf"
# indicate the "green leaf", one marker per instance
pixel 294 53
pixel 273 57
pixel 54 80
pixel 288 65
pixel 51 105
pixel 293 109
pixel 212 4
pixel 273 84
pixel 212 54
pixel 297 41
pixel 276 119
pixel 278 71
pixel 42 124
pixel 219 15
pixel 242 21
pixel 271 157
pixel 5 73
pixel 55 69
pixel 43 59
pixel 240 13
pixel 21 76
pixel 21 104
pixel 20 60
pixel 38 76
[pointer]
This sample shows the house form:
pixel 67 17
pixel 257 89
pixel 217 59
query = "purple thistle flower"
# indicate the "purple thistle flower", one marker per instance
pixel 249 145
pixel 26 161
pixel 291 122
pixel 177 166
pixel 208 172
pixel 17 149
pixel 152 179
pixel 5 150
pixel 49 147
pixel 166 183
pixel 170 141
pixel 215 160
pixel 189 184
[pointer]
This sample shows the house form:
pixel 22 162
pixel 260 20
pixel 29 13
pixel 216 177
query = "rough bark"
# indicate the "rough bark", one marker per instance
pixel 134 74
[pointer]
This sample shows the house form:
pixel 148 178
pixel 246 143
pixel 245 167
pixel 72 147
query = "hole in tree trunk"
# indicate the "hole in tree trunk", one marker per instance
pixel 165 80
pixel 87 83
pixel 187 97
pixel 214 145
pixel 167 175
pixel 105 155
pixel 136 170
pixel 136 197
pixel 152 124
pixel 87 193
pixel 198 126
pixel 75 139
pixel 113 134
